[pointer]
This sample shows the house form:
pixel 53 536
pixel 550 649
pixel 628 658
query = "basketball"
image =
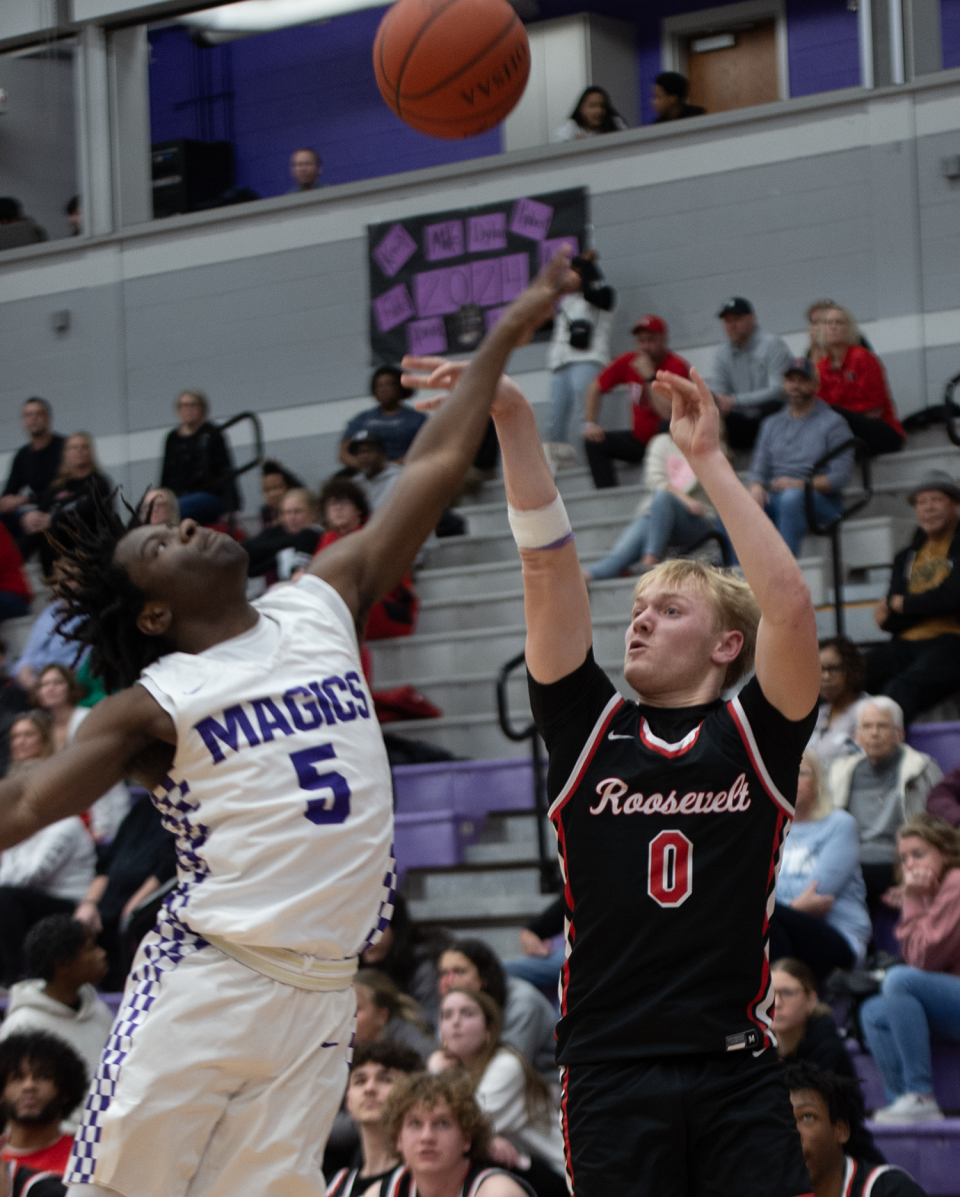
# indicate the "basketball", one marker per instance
pixel 451 68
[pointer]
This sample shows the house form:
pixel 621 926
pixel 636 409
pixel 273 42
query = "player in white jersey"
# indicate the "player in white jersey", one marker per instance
pixel 255 730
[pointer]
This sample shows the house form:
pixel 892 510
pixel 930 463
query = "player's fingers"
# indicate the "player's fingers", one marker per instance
pixel 557 272
pixel 704 394
pixel 427 362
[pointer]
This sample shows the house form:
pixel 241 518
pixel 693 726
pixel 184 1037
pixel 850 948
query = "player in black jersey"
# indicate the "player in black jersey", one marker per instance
pixel 670 816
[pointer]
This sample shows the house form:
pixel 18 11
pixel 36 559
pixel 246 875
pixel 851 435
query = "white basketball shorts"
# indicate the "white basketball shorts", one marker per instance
pixel 216 1081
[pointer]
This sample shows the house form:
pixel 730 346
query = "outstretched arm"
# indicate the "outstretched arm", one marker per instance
pixel 107 743
pixel 366 566
pixel 787 660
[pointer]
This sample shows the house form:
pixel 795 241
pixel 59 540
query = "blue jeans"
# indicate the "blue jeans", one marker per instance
pixel 568 385
pixel 542 971
pixel 201 506
pixel 898 1023
pixel 667 522
pixel 788 511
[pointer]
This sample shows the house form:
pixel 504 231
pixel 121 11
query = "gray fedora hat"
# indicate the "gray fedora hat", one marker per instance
pixel 935 480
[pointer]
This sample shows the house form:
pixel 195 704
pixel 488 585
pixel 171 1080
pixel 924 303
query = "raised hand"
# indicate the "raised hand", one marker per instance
pixel 534 306
pixel 439 374
pixel 695 423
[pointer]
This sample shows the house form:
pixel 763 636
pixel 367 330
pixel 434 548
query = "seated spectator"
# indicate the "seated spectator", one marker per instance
pixel 141 858
pixel 34 466
pixel 16 229
pixel 275 481
pixel 41 1080
pixel 540 964
pixel 920 666
pixel 14 701
pixel 510 1093
pixel 65 964
pixel 377 475
pixel 197 464
pixel 374 1071
pixel 408 954
pixel 579 349
pixel 593 114
pixel 636 370
pixel 15 593
pixel 944 799
pixel 445 1140
pixel 882 787
pixel 391 421
pixel 383 1012
pixel 853 380
pixel 677 512
pixel 815 314
pixel 748 370
pixel 920 999
pixel 58 693
pixel 283 548
pixel 45 646
pixel 72 496
pixel 306 166
pixel 821 913
pixel 671 92
pixel 829 1113
pixel 529 1020
pixel 160 506
pixel 842 674
pixel 788 447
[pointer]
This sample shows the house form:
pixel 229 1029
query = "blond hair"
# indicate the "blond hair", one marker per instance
pixel 824 805
pixel 853 330
pixel 735 609
pixel 63 473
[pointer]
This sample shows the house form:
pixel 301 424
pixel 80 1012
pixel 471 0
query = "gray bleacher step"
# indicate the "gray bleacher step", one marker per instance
pixel 510 837
pixel 569 482
pixel 474 737
pixel 619 502
pixel 475 881
pixel 466 914
pixel 908 467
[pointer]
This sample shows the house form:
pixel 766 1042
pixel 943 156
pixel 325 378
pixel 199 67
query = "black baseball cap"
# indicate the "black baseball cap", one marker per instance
pixel 736 305
pixel 801 365
pixel 365 437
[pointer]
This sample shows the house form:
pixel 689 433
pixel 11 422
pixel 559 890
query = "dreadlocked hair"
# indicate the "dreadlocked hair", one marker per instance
pixel 100 604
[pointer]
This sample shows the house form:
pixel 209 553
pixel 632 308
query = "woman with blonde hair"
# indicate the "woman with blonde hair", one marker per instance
pixel 383 1012
pixel 821 914
pixel 513 1096
pixel 853 380
pixel 919 1000
pixel 73 495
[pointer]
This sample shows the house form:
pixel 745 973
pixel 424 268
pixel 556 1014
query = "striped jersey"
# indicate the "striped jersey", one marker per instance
pixel 864 1179
pixel 670 824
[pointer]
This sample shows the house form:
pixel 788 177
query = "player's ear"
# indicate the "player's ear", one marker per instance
pixel 155 618
pixel 842 1130
pixel 728 648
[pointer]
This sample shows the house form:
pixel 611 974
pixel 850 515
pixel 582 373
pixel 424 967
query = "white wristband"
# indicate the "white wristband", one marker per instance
pixel 546 528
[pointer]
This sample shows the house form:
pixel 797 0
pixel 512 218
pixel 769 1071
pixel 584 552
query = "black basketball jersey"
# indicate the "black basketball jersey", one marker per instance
pixel 670 825
pixel 864 1179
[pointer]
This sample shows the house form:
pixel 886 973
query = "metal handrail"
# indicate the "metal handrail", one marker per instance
pixel 953 410
pixel 257 440
pixel 549 876
pixel 831 528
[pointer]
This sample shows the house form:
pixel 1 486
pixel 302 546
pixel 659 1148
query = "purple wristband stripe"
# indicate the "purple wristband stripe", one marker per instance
pixel 557 544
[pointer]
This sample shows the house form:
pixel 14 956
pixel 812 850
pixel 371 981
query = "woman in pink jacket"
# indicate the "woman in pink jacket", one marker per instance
pixel 921 998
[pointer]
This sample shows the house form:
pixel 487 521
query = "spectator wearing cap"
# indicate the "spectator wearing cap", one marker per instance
pixel 391 421
pixel 377 474
pixel 670 94
pixel 636 369
pixel 748 370
pixel 920 665
pixel 790 443
pixel 579 349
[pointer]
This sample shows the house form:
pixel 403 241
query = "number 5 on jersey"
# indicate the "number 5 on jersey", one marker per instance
pixel 334 806
pixel 670 868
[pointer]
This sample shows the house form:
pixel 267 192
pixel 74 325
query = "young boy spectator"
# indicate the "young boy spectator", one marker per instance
pixel 671 91
pixel 748 370
pixel 790 443
pixel 391 421
pixel 41 1080
pixel 829 1110
pixel 375 1070
pixel 636 370
pixel 920 666
pixel 65 964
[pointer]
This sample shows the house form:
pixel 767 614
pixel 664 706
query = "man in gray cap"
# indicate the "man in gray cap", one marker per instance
pixel 748 371
pixel 920 666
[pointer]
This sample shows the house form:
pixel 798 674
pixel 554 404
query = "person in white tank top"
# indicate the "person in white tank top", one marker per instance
pixel 254 729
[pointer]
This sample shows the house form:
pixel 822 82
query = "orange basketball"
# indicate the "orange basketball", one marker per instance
pixel 451 68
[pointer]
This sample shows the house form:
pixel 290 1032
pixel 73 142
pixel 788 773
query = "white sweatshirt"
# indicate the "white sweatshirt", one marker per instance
pixel 59 860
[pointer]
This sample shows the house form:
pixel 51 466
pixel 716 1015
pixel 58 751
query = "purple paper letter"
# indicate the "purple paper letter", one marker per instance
pixel 427 336
pixel 516 275
pixel 549 247
pixel 396 248
pixel 439 292
pixel 487 232
pixel 393 307
pixel 531 219
pixel 443 240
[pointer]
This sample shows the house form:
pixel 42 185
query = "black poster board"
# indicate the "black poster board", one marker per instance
pixel 438 282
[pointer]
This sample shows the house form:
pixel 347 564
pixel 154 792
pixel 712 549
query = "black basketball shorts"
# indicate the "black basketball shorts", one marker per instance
pixel 682 1126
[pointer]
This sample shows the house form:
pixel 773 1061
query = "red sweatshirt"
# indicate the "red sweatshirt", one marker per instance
pixel 859 384
pixel 929 928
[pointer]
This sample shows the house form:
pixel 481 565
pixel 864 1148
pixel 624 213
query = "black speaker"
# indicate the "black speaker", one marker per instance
pixel 190 174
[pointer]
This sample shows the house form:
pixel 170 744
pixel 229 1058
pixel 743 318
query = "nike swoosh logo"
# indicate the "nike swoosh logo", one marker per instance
pixel 196 688
pixel 614 736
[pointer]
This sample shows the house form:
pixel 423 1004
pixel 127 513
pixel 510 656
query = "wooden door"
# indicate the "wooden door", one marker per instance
pixel 736 76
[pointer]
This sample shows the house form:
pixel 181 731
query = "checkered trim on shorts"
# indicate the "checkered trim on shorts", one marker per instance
pixel 385 913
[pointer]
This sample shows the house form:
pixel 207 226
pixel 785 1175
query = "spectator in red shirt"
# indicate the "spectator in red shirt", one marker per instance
pixel 15 593
pixel 637 370
pixel 42 1079
pixel 853 380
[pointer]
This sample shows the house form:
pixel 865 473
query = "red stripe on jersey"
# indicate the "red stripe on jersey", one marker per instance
pixel 655 744
pixel 778 838
pixel 564 1126
pixel 570 932
pixel 586 756
pixel 739 716
pixel 850 1173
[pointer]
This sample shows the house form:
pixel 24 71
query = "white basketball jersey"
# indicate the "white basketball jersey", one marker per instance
pixel 280 791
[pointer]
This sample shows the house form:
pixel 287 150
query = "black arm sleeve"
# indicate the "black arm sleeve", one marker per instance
pixel 781 740
pixel 565 713
pixel 549 922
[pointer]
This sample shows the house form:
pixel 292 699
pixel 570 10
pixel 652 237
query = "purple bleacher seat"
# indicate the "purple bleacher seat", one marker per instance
pixel 946 1076
pixel 930 1152
pixel 939 740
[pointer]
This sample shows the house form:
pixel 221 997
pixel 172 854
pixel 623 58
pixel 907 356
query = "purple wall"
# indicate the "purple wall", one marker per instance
pixel 822 46
pixel 312 85
pixel 950 32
